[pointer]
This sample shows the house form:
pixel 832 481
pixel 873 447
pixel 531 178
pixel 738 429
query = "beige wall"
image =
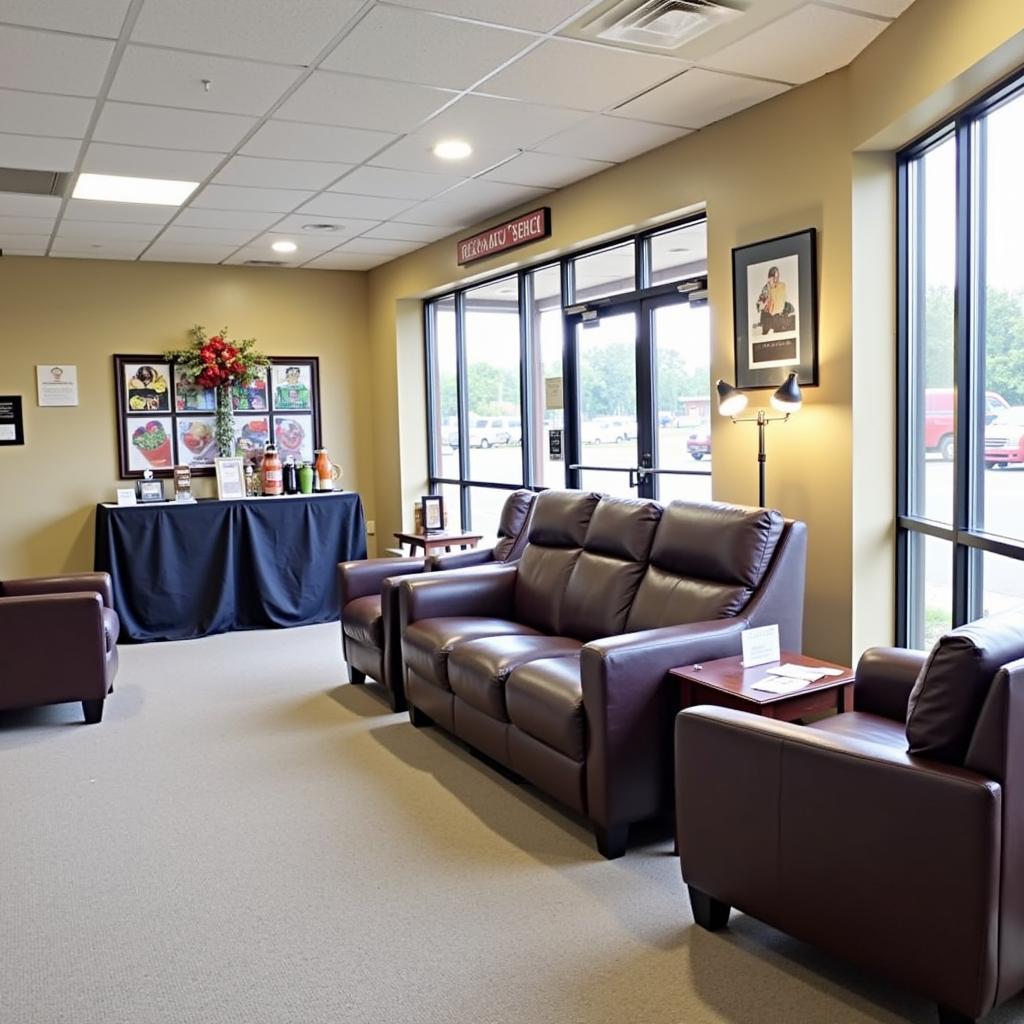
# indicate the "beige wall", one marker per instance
pixel 83 311
pixel 783 166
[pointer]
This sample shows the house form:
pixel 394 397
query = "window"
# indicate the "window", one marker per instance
pixel 961 415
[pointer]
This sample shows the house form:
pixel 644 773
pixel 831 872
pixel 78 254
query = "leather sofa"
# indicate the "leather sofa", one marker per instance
pixel 58 642
pixel 368 591
pixel 556 668
pixel 887 835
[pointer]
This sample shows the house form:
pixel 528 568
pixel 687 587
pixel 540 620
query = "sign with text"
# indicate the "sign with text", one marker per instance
pixel 12 428
pixel 528 228
pixel 555 444
pixel 57 385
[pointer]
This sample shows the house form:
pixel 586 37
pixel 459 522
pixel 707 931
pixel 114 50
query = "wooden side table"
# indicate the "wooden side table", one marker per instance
pixel 433 541
pixel 725 683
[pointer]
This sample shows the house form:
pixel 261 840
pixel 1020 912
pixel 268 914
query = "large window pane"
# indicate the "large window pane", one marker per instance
pixel 1002 583
pixel 495 426
pixel 608 272
pixel 679 253
pixel 546 335
pixel 446 411
pixel 932 247
pixel 452 507
pixel 485 505
pixel 930 589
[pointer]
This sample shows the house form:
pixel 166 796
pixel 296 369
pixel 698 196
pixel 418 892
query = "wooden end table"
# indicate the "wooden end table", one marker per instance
pixel 431 541
pixel 725 683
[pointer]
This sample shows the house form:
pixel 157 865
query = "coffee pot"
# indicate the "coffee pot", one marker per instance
pixel 326 472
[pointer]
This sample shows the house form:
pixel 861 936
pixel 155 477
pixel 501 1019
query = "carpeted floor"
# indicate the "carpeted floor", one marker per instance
pixel 243 840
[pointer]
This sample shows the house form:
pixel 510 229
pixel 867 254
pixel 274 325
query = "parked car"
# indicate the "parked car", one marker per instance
pixel 1004 438
pixel 487 431
pixel 938 417
pixel 609 430
pixel 698 444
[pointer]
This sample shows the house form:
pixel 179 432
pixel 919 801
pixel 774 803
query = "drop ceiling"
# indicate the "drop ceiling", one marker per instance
pixel 324 112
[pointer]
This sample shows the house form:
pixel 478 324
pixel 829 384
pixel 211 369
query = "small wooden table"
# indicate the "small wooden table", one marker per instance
pixel 725 683
pixel 430 541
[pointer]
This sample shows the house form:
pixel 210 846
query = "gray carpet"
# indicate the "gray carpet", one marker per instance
pixel 244 840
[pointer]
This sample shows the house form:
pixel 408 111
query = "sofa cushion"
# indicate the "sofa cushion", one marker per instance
pixel 512 527
pixel 427 644
pixel 361 619
pixel 479 669
pixel 545 700
pixel 954 682
pixel 111 629
pixel 561 518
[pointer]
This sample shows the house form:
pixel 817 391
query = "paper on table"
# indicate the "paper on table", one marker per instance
pixel 782 686
pixel 805 672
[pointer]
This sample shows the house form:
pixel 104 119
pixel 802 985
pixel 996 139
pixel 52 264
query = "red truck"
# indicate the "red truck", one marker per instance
pixel 938 418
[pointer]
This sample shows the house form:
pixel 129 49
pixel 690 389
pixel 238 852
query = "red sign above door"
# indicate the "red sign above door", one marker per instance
pixel 527 228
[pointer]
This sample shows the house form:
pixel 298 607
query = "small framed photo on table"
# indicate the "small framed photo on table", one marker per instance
pixel 230 478
pixel 433 513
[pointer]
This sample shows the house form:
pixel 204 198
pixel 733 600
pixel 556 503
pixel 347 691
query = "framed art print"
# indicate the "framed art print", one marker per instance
pixel 433 513
pixel 775 310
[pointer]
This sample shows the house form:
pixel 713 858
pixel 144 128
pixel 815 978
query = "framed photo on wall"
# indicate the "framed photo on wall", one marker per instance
pixel 775 310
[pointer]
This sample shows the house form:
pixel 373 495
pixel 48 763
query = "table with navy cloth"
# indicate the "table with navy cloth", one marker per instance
pixel 187 570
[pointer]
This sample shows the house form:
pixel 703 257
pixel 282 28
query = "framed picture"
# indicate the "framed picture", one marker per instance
pixel 433 513
pixel 150 490
pixel 165 420
pixel 230 478
pixel 775 310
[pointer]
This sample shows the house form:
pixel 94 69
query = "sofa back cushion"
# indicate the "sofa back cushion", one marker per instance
pixel 706 562
pixel 954 682
pixel 512 527
pixel 558 528
pixel 608 571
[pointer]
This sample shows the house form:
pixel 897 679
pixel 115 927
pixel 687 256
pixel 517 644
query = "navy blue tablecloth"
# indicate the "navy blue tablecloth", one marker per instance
pixel 183 571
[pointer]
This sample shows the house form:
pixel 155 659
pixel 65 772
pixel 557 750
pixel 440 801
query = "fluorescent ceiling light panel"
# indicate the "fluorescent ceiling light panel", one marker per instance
pixel 114 188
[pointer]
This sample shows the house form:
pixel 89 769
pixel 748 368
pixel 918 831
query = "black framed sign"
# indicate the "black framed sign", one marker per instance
pixel 164 420
pixel 775 310
pixel 433 513
pixel 12 423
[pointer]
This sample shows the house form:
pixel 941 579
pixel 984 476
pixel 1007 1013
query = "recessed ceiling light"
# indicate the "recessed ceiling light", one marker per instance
pixel 284 247
pixel 453 149
pixel 324 228
pixel 114 188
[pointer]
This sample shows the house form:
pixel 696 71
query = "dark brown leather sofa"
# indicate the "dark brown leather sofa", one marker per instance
pixel 887 835
pixel 556 667
pixel 58 642
pixel 368 591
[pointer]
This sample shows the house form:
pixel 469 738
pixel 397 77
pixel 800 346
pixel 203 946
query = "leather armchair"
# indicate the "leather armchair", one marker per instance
pixel 906 864
pixel 58 642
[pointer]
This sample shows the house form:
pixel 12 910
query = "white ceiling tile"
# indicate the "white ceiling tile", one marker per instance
pixel 252 220
pixel 167 128
pixel 35 113
pixel 234 197
pixel 260 29
pixel 170 78
pixel 474 201
pixel 346 226
pixel 126 213
pixel 76 248
pixel 328 97
pixel 884 8
pixel 799 46
pixel 265 253
pixel 84 17
pixel 410 46
pixel 142 162
pixel 390 183
pixel 166 252
pixel 266 173
pixel 415 153
pixel 50 62
pixel 335 204
pixel 23 245
pixel 338 260
pixel 34 153
pixel 545 170
pixel 12 205
pixel 26 226
pixel 608 138
pixel 288 139
pixel 697 98
pixel 207 236
pixel 534 15
pixel 407 232
pixel 567 73
pixel 383 246
pixel 85 231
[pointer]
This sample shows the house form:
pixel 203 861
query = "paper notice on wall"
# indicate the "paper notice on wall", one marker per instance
pixel 57 385
pixel 553 394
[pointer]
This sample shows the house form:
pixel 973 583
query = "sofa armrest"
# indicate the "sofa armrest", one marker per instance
pixel 72 583
pixel 460 559
pixel 885 677
pixel 629 705
pixel 364 577
pixel 487 591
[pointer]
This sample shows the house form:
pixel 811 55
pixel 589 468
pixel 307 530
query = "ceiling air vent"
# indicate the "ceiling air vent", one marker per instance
pixel 33 183
pixel 264 263
pixel 662 24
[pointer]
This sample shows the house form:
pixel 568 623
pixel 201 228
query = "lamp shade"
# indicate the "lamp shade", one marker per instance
pixel 787 397
pixel 731 400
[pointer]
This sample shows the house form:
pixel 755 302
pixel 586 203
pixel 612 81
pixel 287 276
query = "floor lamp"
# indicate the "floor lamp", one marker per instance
pixel 787 399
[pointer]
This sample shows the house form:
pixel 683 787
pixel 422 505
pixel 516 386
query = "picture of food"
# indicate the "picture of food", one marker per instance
pixel 190 397
pixel 250 398
pixel 151 445
pixel 251 436
pixel 197 445
pixel 147 389
pixel 294 437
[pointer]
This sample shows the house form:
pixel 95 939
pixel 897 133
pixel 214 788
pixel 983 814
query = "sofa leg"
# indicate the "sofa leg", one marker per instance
pixel 953 1017
pixel 612 840
pixel 419 718
pixel 355 676
pixel 397 701
pixel 93 711
pixel 709 913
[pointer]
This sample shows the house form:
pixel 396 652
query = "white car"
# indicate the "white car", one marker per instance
pixel 609 430
pixel 487 431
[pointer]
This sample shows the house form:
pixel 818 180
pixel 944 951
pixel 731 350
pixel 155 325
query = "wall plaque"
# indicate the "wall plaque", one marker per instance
pixel 12 427
pixel 502 237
